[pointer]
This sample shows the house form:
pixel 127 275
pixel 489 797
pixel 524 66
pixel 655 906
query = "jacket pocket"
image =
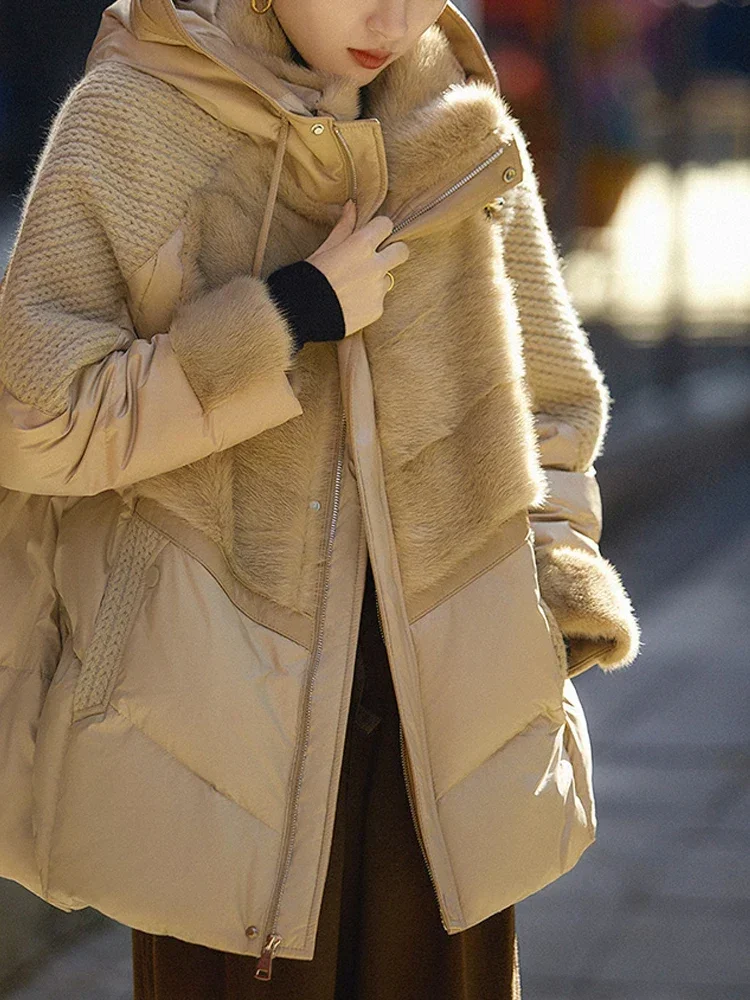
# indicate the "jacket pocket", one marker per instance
pixel 122 597
pixel 556 636
pixel 48 768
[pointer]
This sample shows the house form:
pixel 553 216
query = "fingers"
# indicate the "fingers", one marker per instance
pixel 348 214
pixel 375 231
pixel 393 255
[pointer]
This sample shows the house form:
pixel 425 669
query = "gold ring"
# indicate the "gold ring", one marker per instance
pixel 393 280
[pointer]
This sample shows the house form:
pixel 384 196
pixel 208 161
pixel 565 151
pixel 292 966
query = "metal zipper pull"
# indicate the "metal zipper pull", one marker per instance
pixel 455 187
pixel 263 968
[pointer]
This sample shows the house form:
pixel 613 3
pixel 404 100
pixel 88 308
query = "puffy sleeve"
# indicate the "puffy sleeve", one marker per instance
pixel 86 404
pixel 571 405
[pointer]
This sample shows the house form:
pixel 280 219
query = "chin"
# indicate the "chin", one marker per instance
pixel 361 72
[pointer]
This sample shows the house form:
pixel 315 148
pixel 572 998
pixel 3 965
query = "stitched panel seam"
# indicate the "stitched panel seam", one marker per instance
pixel 497 750
pixel 225 795
pixel 185 546
pixel 481 572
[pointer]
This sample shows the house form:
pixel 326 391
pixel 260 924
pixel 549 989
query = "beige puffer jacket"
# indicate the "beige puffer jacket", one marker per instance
pixel 186 505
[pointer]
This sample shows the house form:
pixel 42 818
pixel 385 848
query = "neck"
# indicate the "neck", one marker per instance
pixel 297 57
pixel 295 54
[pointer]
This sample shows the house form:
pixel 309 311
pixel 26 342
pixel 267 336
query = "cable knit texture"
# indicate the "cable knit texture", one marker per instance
pixel 562 371
pixel 98 215
pixel 121 598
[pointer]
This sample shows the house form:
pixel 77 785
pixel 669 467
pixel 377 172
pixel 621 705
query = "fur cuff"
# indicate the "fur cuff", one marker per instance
pixel 229 337
pixel 591 606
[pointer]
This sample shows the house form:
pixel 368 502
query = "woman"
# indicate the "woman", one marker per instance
pixel 262 410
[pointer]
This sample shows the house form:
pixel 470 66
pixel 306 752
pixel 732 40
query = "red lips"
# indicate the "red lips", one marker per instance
pixel 370 58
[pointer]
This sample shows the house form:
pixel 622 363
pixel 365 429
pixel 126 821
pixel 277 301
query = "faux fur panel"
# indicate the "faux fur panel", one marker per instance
pixel 589 601
pixel 279 541
pixel 227 338
pixel 454 419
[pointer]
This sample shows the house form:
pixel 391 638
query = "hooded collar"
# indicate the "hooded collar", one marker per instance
pixel 255 49
pixel 426 119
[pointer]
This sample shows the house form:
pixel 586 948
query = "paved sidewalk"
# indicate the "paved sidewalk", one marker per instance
pixel 96 967
pixel 661 438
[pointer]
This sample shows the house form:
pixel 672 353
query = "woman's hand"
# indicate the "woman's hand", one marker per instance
pixel 355 269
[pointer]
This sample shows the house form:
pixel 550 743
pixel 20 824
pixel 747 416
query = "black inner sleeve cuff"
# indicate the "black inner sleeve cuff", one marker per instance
pixel 309 302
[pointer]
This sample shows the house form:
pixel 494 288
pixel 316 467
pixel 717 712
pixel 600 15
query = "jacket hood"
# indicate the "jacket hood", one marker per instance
pixel 215 50
pixel 230 35
pixel 432 112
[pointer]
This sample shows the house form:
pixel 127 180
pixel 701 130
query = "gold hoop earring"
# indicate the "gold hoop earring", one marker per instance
pixel 267 7
pixel 392 280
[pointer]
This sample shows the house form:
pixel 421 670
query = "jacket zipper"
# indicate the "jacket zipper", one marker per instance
pixel 350 167
pixel 353 194
pixel 452 189
pixel 273 938
pixel 263 969
pixel 407 782
pixel 352 180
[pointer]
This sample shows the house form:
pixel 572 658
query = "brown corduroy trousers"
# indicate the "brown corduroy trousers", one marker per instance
pixel 379 936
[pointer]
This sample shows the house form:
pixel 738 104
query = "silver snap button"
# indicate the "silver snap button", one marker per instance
pixel 252 931
pixel 509 174
pixel 152 576
pixel 315 504
pixel 318 128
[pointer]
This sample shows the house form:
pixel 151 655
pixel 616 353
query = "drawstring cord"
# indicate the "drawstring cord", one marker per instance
pixel 271 200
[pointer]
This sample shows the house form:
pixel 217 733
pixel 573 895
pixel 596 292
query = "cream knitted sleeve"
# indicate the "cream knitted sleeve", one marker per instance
pixel 85 404
pixel 571 406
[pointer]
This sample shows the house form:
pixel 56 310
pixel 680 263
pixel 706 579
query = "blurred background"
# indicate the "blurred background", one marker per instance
pixel 637 114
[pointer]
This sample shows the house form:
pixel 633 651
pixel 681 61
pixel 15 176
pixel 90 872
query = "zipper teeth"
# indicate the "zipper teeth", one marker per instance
pixel 306 729
pixel 407 782
pixel 272 933
pixel 453 188
pixel 350 165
